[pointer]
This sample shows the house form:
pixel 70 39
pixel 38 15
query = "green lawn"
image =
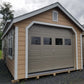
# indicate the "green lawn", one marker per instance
pixel 0 54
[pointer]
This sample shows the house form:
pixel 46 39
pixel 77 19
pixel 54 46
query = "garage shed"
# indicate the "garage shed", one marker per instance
pixel 45 41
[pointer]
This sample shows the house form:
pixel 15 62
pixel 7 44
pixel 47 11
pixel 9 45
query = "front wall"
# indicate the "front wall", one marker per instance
pixel 43 17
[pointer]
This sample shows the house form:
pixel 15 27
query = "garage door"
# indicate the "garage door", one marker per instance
pixel 83 48
pixel 50 48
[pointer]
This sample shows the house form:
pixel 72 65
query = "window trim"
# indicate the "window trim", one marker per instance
pixel 53 16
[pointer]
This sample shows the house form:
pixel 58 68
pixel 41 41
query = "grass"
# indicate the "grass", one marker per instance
pixel 0 54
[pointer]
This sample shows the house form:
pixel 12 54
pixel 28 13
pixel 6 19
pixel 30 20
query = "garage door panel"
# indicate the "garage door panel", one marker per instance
pixel 53 54
pixel 50 64
pixel 48 57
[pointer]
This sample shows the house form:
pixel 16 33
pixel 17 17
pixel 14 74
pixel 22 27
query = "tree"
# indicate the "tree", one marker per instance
pixel 6 12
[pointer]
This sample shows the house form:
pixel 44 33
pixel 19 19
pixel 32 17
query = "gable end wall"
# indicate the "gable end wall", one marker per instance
pixel 47 18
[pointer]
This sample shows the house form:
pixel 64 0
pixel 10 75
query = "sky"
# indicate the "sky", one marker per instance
pixel 75 7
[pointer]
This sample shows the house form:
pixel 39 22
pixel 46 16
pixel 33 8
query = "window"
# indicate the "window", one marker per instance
pixel 36 40
pixel 47 41
pixel 10 43
pixel 10 47
pixel 55 16
pixel 59 41
pixel 67 41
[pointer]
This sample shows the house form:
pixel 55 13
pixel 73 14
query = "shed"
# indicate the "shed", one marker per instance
pixel 45 41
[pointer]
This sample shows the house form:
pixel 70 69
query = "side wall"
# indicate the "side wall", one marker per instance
pixel 43 17
pixel 8 60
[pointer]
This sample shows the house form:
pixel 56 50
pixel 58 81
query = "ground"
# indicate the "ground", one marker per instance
pixel 76 77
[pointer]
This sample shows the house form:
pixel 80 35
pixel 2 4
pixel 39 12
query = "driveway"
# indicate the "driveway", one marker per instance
pixel 76 77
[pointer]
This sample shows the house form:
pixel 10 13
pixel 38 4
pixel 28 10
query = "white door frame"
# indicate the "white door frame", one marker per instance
pixel 49 24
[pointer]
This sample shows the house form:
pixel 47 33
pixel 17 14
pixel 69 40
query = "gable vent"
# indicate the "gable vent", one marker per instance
pixel 55 16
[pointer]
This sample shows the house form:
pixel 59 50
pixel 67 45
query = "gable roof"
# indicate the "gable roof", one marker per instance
pixel 28 15
pixel 57 4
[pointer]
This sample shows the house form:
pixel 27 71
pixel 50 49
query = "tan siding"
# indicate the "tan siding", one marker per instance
pixel 10 65
pixel 44 17
pixel 21 76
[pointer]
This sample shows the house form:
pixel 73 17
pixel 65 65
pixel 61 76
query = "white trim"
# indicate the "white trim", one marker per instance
pixel 26 57
pixel 16 54
pixel 76 48
pixel 26 52
pixel 81 52
pixel 49 24
pixel 55 25
pixel 28 15
pixel 54 16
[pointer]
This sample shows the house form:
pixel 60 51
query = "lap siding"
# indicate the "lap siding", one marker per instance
pixel 10 65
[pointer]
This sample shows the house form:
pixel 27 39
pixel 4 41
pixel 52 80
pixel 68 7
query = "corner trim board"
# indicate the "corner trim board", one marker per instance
pixel 16 54
pixel 49 24
pixel 81 52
